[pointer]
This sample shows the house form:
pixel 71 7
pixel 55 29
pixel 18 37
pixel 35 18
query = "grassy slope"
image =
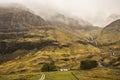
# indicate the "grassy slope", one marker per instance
pixel 108 38
pixel 34 61
pixel 29 50
pixel 98 74
pixel 35 58
pixel 76 51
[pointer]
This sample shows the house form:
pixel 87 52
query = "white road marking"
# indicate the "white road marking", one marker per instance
pixel 42 77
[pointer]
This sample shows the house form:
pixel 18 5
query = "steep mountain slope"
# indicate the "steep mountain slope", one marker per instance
pixel 27 42
pixel 114 27
pixel 110 33
pixel 73 23
pixel 109 42
pixel 17 19
pixel 76 26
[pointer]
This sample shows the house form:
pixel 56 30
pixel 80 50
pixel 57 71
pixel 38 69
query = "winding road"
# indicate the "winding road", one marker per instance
pixel 42 77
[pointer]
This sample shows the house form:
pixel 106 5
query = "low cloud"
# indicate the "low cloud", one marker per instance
pixel 93 11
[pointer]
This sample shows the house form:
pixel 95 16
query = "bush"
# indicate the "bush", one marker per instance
pixel 48 67
pixel 88 64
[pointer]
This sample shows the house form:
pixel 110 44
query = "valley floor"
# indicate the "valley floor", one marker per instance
pixel 94 74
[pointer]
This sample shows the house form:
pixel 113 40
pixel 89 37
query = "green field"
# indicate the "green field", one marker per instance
pixel 93 74
pixel 36 76
pixel 28 76
pixel 59 76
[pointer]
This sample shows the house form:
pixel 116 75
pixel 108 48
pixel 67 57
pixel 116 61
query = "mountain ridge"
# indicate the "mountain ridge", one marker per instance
pixel 54 43
pixel 112 27
pixel 18 18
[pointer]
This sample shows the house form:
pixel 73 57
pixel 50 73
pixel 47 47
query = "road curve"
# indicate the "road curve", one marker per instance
pixel 42 77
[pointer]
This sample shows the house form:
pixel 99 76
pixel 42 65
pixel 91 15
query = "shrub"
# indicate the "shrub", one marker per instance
pixel 48 67
pixel 88 64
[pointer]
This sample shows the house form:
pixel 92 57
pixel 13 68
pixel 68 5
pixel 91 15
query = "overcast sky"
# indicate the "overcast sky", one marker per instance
pixel 94 11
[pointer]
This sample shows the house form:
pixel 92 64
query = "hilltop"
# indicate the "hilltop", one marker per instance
pixel 15 18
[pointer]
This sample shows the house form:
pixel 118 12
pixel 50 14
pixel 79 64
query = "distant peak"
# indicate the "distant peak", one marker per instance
pixel 113 27
pixel 13 6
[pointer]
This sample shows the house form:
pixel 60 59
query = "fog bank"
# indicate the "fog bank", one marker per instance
pixel 96 12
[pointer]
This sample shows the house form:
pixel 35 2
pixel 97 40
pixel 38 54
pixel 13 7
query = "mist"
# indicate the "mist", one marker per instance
pixel 96 12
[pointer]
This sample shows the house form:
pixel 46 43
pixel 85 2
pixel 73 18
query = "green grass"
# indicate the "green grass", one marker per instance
pixel 59 76
pixel 28 76
pixel 36 76
pixel 97 74
pixel 93 74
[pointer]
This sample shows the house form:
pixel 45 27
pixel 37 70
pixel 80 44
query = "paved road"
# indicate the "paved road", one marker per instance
pixel 42 77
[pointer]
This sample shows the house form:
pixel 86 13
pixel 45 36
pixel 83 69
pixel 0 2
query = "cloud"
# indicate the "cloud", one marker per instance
pixel 94 11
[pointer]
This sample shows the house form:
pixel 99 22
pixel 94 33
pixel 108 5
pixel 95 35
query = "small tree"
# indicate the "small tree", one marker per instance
pixel 48 67
pixel 45 67
pixel 3 46
pixel 88 64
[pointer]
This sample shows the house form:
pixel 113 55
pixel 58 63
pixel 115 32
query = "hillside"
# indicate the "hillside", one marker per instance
pixel 110 33
pixel 30 42
pixel 49 40
pixel 18 19
pixel 113 27
pixel 109 42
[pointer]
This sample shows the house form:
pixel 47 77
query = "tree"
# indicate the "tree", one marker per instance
pixel 48 67
pixel 88 64
pixel 3 46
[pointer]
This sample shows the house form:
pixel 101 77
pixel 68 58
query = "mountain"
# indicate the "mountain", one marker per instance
pixel 77 26
pixel 109 43
pixel 74 23
pixel 112 18
pixel 14 18
pixel 114 27
pixel 28 42
pixel 110 33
